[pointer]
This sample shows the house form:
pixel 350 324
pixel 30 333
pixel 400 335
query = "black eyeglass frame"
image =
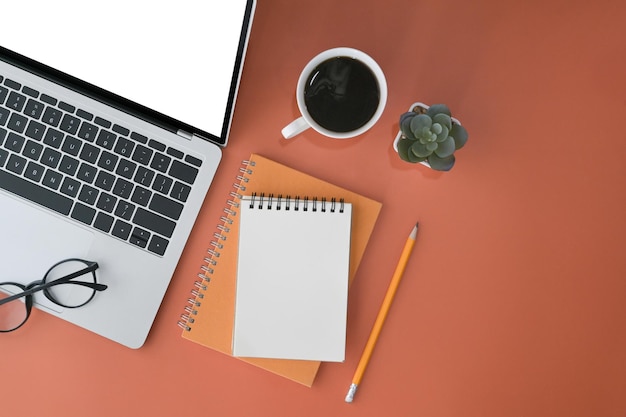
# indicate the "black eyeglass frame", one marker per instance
pixel 42 285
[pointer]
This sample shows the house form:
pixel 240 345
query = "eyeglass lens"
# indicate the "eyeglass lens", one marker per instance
pixel 69 294
pixel 12 314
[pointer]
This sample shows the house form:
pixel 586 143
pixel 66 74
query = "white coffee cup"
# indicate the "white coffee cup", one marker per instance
pixel 365 120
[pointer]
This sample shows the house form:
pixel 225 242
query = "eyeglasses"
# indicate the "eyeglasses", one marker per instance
pixel 70 283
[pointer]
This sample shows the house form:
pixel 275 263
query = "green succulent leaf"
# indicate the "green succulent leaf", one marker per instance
pixel 403 149
pixel 441 164
pixel 432 146
pixel 436 128
pixel 419 123
pixel 420 150
pixel 438 108
pixel 446 148
pixel 405 124
pixel 460 135
pixel 405 116
pixel 443 119
pixel 443 135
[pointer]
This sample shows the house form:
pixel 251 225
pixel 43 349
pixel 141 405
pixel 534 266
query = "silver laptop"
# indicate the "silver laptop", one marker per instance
pixel 112 121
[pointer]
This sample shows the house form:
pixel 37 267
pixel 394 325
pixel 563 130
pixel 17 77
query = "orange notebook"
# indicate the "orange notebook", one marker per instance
pixel 209 317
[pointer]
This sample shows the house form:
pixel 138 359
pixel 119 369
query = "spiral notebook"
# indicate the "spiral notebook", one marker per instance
pixel 292 278
pixel 208 318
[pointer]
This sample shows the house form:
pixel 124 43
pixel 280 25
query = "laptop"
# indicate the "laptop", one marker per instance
pixel 113 118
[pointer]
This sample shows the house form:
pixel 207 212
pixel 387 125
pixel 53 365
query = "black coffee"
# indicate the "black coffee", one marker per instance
pixel 341 94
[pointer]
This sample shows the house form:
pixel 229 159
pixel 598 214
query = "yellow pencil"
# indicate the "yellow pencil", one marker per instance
pixel 382 314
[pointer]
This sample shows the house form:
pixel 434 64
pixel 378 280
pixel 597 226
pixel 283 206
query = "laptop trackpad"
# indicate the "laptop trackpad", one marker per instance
pixel 34 240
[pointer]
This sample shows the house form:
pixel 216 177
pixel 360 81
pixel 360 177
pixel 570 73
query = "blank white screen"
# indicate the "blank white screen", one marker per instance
pixel 175 57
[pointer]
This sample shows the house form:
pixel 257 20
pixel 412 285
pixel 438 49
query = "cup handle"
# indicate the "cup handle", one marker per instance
pixel 295 128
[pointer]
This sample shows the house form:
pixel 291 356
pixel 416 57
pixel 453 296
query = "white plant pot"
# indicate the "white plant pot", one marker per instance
pixel 399 135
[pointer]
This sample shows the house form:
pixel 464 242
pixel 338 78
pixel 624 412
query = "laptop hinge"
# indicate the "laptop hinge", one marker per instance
pixel 184 134
pixel 189 136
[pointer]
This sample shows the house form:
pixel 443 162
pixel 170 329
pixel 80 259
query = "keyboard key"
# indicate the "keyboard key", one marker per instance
pixel 156 145
pixel 4 92
pixel 52 179
pixel 83 213
pixel 87 173
pixel 12 84
pixel 107 161
pixel 141 196
pixel 4 116
pixel 50 158
pixel 103 222
pixel 16 101
pixel 183 172
pixel 52 116
pixel 84 115
pixel 106 139
pixel 35 130
pixel 71 145
pixel 144 176
pixel 123 188
pixel 69 165
pixel 88 131
pixel 121 230
pixel 154 222
pixel 48 100
pixel 3 134
pixel 30 91
pixel 89 153
pixel 70 187
pixel 102 122
pixel 35 193
pixel 106 202
pixel 14 142
pixel 162 184
pixel 32 150
pixel 105 181
pixel 34 171
pixel 66 107
pixel 69 124
pixel 160 162
pixel 139 237
pixel 124 147
pixel 53 138
pixel 124 210
pixel 193 161
pixel 34 108
pixel 121 130
pixel 157 245
pixel 142 155
pixel 17 123
pixel 139 138
pixel 180 191
pixel 126 169
pixel 166 206
pixel 88 195
pixel 16 164
pixel 4 155
pixel 175 153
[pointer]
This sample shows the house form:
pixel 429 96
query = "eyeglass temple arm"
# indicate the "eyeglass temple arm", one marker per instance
pixel 63 280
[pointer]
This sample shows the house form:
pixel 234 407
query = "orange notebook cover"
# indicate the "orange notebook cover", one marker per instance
pixel 209 318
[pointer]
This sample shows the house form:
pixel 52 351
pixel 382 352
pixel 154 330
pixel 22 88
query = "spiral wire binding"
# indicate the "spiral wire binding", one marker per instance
pixel 213 252
pixel 269 202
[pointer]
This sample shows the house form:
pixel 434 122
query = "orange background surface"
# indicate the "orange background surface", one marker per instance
pixel 513 301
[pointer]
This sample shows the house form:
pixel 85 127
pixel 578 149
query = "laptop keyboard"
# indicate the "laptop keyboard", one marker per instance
pixel 84 167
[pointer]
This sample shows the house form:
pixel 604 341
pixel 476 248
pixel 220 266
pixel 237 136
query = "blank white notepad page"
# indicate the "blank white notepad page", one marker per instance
pixel 292 279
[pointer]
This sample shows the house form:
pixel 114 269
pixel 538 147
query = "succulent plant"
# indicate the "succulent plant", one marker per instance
pixel 430 135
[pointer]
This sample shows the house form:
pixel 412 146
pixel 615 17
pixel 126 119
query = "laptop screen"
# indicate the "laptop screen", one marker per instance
pixel 177 58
